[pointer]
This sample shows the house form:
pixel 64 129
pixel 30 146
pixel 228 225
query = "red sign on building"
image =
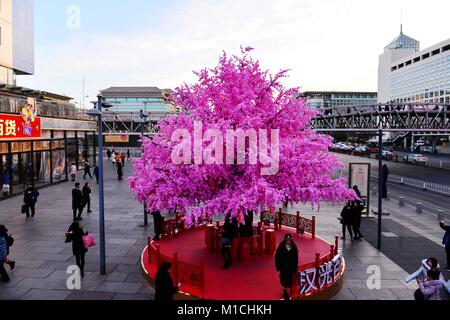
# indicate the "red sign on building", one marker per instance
pixel 15 127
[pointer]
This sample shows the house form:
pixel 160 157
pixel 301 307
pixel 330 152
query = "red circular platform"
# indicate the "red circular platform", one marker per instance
pixel 253 280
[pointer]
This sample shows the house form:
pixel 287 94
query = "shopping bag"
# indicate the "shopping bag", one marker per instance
pixel 88 241
pixel 24 209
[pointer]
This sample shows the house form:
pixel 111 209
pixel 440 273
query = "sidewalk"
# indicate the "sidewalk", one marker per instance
pixel 43 257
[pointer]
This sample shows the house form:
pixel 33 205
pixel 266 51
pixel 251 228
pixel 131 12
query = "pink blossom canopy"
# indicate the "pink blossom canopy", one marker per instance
pixel 238 94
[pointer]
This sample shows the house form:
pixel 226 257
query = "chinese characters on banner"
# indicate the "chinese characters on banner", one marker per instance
pixel 310 281
pixel 14 127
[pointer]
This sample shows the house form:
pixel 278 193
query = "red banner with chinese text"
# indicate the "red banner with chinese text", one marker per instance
pixel 14 127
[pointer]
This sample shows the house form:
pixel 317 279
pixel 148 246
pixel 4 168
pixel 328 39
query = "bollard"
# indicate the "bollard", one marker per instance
pixel 419 207
pixel 440 164
pixel 388 196
pixel 402 202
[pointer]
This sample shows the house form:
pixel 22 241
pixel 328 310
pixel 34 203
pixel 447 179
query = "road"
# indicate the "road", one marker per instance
pixel 432 201
pixel 430 174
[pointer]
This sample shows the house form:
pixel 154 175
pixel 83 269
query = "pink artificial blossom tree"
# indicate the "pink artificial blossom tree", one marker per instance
pixel 236 94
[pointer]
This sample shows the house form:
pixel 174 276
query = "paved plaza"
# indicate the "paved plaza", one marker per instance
pixel 43 257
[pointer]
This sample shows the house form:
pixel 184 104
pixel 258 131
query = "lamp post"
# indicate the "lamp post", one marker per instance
pixel 142 120
pixel 380 185
pixel 98 113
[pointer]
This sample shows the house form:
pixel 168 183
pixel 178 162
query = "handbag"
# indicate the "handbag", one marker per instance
pixel 24 209
pixel 88 241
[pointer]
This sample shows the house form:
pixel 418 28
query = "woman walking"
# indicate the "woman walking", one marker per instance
pixel 164 288
pixel 286 263
pixel 75 235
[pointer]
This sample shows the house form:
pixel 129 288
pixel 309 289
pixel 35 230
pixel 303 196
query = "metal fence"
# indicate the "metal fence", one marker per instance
pixel 439 188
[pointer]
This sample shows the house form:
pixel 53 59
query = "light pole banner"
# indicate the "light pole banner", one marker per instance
pixel 117 138
pixel 360 177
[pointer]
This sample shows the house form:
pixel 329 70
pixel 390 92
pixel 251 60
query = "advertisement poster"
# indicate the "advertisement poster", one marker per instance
pixel 360 176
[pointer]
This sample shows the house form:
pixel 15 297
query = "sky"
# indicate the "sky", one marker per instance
pixel 327 44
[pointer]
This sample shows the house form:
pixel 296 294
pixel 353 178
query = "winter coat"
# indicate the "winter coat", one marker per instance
pixel 164 288
pixel 422 272
pixel 77 199
pixel 73 169
pixel 446 240
pixel 77 241
pixel 30 196
pixel 6 179
pixel 431 289
pixel 286 261
pixel 86 193
pixel 347 215
pixel 97 171
pixel 3 248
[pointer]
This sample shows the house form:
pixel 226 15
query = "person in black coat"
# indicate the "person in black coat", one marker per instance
pixel 87 197
pixel 119 171
pixel 77 202
pixel 164 288
pixel 158 222
pixel 230 229
pixel 357 209
pixel 246 229
pixel 286 263
pixel 87 170
pixel 29 199
pixel 446 241
pixel 75 235
pixel 347 220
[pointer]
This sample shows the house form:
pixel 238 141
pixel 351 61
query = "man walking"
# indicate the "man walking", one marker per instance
pixel 77 202
pixel 87 170
pixel 29 199
pixel 87 197
pixel 446 241
pixel 97 173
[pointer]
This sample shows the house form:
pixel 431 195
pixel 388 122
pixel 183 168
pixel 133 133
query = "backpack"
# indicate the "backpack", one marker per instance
pixel 10 241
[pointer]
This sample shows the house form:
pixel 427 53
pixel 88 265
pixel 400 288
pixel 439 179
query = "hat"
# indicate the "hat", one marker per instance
pixel 288 236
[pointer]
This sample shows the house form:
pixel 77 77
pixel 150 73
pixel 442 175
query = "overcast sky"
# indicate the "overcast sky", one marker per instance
pixel 328 44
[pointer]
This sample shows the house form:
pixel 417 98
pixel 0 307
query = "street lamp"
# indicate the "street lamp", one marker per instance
pixel 142 120
pixel 98 113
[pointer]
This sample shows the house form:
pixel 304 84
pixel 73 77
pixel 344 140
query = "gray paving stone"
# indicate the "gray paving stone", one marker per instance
pixel 39 294
pixel 86 295
pixel 12 293
pixel 133 297
pixel 120 287
pixel 117 277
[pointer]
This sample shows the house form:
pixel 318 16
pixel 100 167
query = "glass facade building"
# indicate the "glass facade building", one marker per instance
pixel 325 99
pixel 423 77
pixel 66 136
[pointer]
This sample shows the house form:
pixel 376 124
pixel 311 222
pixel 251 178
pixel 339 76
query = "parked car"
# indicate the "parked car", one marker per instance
pixel 426 149
pixel 416 158
pixel 387 155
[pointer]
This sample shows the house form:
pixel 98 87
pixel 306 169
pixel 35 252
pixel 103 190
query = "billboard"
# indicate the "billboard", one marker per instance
pixel 117 138
pixel 19 127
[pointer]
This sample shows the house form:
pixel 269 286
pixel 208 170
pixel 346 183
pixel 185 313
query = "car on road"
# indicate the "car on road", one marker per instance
pixel 387 155
pixel 416 158
pixel 361 150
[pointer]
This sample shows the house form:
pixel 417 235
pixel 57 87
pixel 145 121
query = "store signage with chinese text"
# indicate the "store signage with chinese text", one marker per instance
pixel 16 127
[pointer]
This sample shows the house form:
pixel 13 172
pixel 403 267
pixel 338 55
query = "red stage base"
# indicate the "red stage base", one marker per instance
pixel 255 279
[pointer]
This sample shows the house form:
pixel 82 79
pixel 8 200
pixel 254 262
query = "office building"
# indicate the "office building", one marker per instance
pixel 408 75
pixel 16 39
